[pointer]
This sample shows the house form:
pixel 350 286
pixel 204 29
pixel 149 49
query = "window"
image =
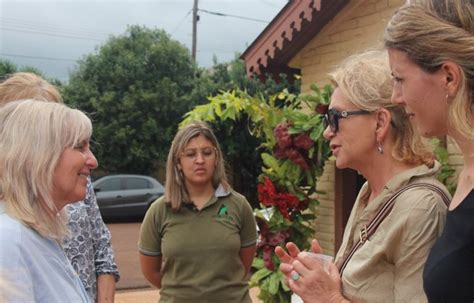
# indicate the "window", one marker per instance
pixel 137 183
pixel 110 185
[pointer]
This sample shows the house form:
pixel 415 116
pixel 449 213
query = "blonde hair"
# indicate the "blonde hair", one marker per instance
pixel 365 79
pixel 33 136
pixel 20 86
pixel 432 32
pixel 175 188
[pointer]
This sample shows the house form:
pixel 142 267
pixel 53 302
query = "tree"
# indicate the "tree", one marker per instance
pixel 136 87
pixel 8 67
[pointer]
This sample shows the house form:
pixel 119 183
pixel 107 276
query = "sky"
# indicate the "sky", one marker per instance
pixel 53 35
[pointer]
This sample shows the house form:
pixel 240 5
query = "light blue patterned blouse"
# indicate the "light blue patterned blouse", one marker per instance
pixel 88 245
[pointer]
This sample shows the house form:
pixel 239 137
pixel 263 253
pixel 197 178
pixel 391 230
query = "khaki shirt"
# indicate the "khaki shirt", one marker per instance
pixel 389 265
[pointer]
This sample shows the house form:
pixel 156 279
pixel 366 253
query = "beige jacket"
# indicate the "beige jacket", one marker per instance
pixel 389 266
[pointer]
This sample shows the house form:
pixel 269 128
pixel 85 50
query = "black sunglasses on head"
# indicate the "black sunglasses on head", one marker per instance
pixel 331 118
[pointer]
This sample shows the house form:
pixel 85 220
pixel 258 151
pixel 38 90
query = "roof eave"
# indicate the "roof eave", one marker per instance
pixel 294 26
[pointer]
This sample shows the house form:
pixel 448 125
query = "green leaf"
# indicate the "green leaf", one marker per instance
pixel 257 263
pixel 271 162
pixel 260 274
pixel 274 282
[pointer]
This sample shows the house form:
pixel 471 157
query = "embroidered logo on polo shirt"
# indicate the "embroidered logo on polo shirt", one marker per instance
pixel 222 211
pixel 223 215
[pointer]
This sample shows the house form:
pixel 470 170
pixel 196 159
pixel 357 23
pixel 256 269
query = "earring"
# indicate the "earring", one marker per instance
pixel 379 148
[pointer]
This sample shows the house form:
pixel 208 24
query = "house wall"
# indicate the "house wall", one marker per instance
pixel 359 26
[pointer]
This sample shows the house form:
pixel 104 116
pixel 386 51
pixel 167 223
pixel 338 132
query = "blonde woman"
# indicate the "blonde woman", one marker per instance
pixel 45 162
pixel 431 50
pixel 367 133
pixel 197 242
pixel 88 241
pixel 24 85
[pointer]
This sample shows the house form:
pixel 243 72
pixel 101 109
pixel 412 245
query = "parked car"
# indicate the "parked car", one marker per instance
pixel 125 196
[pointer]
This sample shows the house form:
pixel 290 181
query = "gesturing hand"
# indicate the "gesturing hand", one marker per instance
pixel 287 258
pixel 306 276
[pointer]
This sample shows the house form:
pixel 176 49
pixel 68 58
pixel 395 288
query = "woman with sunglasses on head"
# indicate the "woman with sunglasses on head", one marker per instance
pixel 197 242
pixel 368 133
pixel 431 50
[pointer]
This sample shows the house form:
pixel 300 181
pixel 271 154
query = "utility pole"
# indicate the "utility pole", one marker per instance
pixel 195 21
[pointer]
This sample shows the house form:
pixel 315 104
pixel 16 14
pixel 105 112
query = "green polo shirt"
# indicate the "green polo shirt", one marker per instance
pixel 200 248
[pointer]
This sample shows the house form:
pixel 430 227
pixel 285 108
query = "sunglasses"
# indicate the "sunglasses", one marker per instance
pixel 331 118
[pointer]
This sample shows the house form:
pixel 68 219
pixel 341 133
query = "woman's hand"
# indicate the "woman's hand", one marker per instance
pixel 285 257
pixel 293 251
pixel 306 277
pixel 311 282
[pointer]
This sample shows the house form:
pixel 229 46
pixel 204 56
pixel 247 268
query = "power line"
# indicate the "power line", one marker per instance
pixel 181 22
pixel 48 34
pixel 43 27
pixel 233 16
pixel 37 57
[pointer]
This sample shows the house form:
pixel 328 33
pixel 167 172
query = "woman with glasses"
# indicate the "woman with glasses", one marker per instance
pixel 368 133
pixel 431 51
pixel 197 242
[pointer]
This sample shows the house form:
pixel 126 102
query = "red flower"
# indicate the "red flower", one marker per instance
pixel 268 196
pixel 267 257
pixel 266 192
pixel 296 157
pixel 303 141
pixel 291 200
pixel 282 136
pixel 302 205
pixel 268 243
pixel 284 210
pixel 279 152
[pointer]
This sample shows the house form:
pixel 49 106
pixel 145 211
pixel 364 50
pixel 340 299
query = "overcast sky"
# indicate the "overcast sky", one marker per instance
pixel 53 35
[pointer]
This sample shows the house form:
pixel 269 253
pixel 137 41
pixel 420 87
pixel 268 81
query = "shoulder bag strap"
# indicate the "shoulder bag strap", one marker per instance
pixel 370 229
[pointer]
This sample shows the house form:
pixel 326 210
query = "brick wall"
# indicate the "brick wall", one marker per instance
pixel 359 26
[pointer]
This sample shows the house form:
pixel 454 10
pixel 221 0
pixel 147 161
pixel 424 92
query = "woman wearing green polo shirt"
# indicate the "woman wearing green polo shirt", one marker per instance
pixel 197 242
